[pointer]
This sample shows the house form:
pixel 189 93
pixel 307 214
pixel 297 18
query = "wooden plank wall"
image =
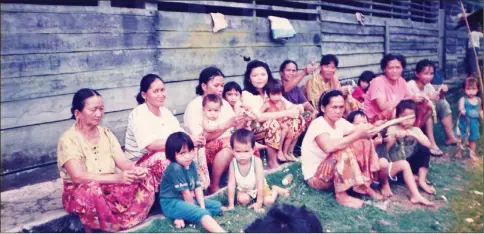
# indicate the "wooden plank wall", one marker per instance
pixel 49 52
pixel 456 39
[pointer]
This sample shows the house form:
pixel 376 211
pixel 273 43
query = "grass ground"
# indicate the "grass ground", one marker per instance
pixel 455 179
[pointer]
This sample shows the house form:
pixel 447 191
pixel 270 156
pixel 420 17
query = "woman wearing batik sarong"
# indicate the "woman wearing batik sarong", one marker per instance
pixel 107 190
pixel 332 150
pixel 150 123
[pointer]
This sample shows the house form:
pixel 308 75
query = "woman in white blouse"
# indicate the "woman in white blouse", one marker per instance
pixel 150 123
pixel 219 155
pixel 332 148
pixel 257 74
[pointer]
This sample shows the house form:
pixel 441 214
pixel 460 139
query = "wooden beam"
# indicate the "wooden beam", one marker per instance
pixel 387 37
pixel 441 48
pixel 104 3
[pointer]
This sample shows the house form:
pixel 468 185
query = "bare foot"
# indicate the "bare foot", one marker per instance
pixel 346 200
pixel 386 191
pixel 451 141
pixel 179 223
pixel 280 156
pixel 282 191
pixel 291 157
pixel 426 187
pixel 421 200
pixel 473 156
pixel 374 194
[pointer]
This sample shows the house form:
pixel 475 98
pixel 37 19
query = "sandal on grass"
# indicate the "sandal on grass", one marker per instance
pixel 436 152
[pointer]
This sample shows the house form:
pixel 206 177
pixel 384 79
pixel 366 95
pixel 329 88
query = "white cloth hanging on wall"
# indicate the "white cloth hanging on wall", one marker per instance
pixel 281 28
pixel 219 22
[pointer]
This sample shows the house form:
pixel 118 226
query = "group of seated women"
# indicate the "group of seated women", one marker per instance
pixel 113 190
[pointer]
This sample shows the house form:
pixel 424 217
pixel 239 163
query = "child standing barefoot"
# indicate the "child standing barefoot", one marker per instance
pixel 471 113
pixel 408 143
pixel 180 185
pixel 247 174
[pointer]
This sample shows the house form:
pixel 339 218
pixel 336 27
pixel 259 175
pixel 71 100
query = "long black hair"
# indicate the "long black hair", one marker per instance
pixel 248 86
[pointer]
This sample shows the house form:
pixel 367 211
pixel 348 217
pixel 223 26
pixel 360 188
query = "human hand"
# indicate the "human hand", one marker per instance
pixel 345 90
pixel 463 112
pixel 293 112
pixel 127 177
pixel 444 88
pixel 301 108
pixel 418 98
pixel 366 130
pixel 140 172
pixel 400 134
pixel 200 140
pixel 257 207
pixel 310 68
pixel 378 140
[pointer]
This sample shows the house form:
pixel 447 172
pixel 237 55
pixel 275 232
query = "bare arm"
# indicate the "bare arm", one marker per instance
pixel 292 112
pixel 122 162
pixel 157 145
pixel 421 138
pixel 308 107
pixel 291 84
pixel 207 127
pixel 231 187
pixel 462 109
pixel 259 172
pixel 199 197
pixel 187 196
pixel 78 173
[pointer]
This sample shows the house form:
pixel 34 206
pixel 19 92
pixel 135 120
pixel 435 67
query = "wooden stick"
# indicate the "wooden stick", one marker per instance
pixel 393 122
pixel 475 53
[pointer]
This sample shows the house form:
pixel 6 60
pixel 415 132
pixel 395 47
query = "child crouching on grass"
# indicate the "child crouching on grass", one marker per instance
pixel 180 185
pixel 247 174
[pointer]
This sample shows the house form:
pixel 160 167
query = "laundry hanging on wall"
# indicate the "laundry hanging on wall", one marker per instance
pixel 219 21
pixel 281 28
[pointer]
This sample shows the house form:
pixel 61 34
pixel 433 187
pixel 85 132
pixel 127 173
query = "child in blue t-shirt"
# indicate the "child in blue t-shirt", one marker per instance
pixel 181 195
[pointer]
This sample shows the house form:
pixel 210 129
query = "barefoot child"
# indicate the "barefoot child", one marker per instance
pixel 470 114
pixel 181 195
pixel 246 173
pixel 407 143
pixel 274 103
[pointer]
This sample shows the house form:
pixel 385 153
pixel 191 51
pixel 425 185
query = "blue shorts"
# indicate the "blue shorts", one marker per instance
pixel 474 128
pixel 180 209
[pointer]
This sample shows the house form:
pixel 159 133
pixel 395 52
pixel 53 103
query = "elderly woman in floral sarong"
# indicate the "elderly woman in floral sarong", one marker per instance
pixel 327 80
pixel 336 153
pixel 257 75
pixel 107 190
pixel 150 123
pixel 217 150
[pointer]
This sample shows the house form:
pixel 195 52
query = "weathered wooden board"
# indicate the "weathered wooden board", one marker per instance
pixel 196 22
pixel 412 38
pixel 60 63
pixel 414 45
pixel 44 86
pixel 352 60
pixel 186 64
pixel 74 23
pixel 27 43
pixel 338 17
pixel 351 48
pixel 414 31
pixel 407 53
pixel 351 38
pixel 343 28
pixel 57 108
pixel 34 8
pixel 176 39
pixel 300 39
pixel 274 56
pixel 349 72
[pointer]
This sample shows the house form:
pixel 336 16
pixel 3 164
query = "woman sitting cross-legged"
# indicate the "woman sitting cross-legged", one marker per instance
pixel 330 149
pixel 88 157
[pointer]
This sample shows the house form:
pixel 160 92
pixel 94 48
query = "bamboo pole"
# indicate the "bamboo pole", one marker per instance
pixel 475 53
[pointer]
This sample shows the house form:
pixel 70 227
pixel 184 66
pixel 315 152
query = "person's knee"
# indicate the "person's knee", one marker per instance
pixel 243 199
pixel 383 163
pixel 215 207
pixel 269 201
